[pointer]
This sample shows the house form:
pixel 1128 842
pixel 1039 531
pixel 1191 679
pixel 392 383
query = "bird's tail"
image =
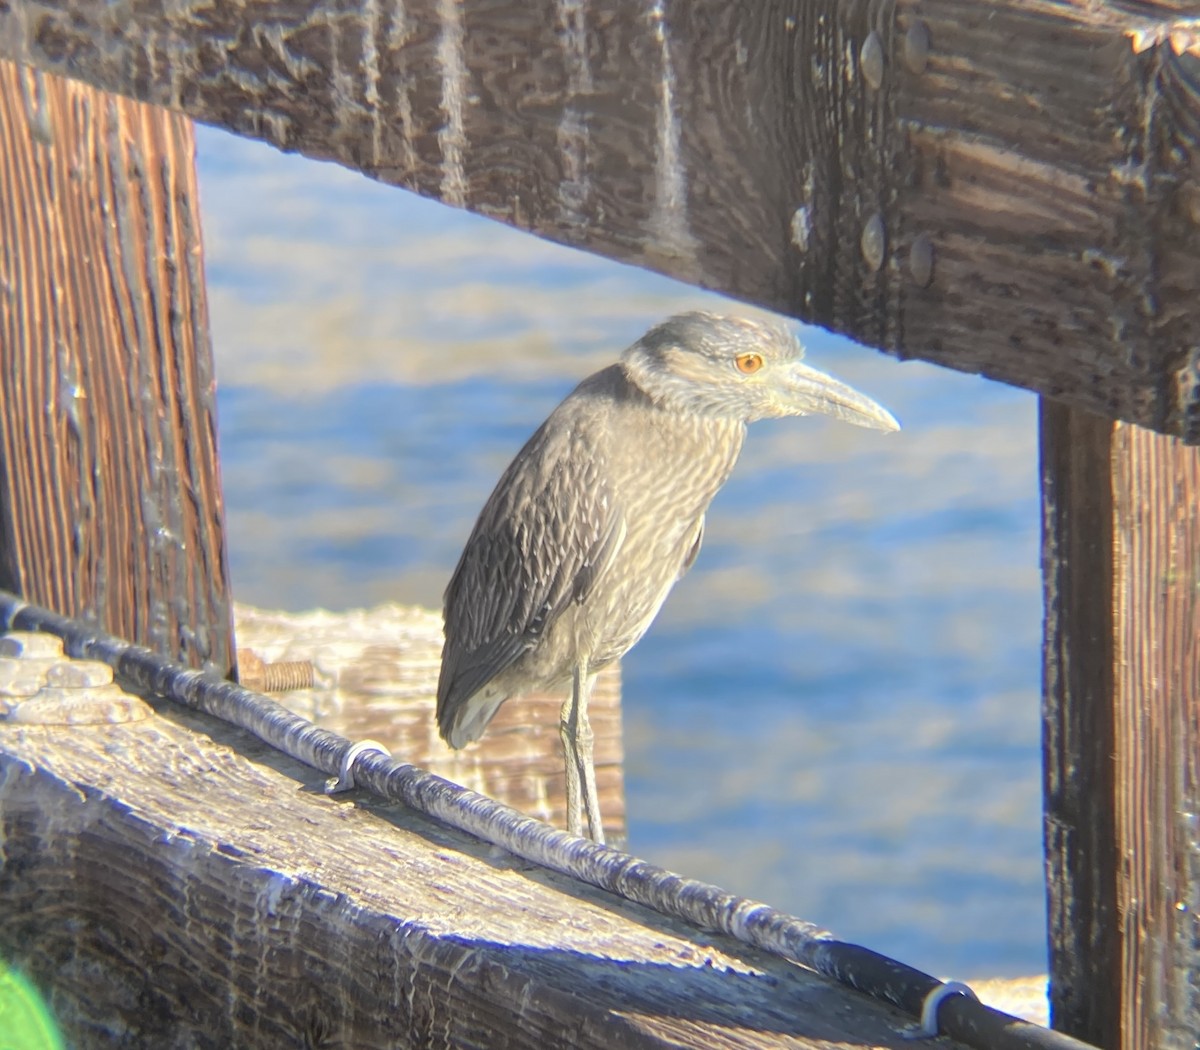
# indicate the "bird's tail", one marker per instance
pixel 460 722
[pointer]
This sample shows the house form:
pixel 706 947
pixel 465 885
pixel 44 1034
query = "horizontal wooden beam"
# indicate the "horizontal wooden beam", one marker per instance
pixel 176 882
pixel 1007 188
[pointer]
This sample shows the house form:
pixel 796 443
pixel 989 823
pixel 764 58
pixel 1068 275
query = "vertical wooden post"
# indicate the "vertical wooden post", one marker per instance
pixel 1121 563
pixel 110 502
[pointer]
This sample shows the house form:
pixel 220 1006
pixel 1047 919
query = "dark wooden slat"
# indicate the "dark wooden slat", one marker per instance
pixel 1122 720
pixel 1078 729
pixel 1052 185
pixel 110 502
pixel 1027 181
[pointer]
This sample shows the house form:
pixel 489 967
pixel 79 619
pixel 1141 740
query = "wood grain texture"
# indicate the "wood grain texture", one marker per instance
pixel 377 673
pixel 1078 736
pixel 110 501
pixel 1122 741
pixel 176 884
pixel 1156 496
pixel 1044 153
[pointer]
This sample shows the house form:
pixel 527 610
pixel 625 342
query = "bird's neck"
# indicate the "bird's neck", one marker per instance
pixel 672 431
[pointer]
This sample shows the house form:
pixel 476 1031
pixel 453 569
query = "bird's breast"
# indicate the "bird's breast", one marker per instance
pixel 661 483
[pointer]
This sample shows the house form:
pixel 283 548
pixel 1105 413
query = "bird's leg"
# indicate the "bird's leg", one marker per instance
pixel 587 765
pixel 577 740
pixel 567 721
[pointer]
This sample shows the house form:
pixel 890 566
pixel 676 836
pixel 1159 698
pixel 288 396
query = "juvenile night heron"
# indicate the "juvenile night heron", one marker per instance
pixel 603 510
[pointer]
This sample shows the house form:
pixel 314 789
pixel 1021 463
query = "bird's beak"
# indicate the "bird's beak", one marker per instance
pixel 806 392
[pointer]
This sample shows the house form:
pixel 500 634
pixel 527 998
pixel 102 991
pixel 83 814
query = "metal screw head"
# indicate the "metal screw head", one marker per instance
pixel 916 46
pixel 870 60
pixel 873 241
pixel 920 260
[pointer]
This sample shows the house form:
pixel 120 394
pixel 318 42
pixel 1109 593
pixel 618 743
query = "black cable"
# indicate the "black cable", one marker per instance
pixel 698 903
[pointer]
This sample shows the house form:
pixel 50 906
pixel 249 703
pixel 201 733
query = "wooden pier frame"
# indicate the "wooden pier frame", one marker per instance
pixel 110 497
pixel 1009 188
pixel 33 824
pixel 1122 729
pixel 272 915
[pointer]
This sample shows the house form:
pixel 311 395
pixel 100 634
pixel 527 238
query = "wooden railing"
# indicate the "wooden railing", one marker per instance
pixel 1011 188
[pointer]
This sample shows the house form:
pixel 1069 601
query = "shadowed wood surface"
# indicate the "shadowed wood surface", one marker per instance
pixel 1007 188
pixel 377 673
pixel 1122 743
pixel 174 882
pixel 110 501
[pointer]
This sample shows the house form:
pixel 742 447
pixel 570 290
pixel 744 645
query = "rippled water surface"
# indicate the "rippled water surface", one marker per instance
pixel 837 710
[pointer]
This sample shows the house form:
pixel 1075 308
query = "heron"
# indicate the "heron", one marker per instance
pixel 602 512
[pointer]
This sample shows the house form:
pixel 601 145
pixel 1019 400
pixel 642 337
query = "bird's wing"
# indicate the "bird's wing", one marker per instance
pixel 547 534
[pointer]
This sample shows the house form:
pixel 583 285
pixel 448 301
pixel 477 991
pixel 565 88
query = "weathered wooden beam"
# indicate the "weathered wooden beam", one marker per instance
pixel 110 500
pixel 1122 730
pixel 174 882
pixel 698 905
pixel 1008 188
pixel 377 673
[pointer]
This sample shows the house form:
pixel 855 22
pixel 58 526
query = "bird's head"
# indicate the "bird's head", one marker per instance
pixel 736 368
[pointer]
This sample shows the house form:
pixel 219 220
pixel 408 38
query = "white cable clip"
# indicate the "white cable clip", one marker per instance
pixel 344 781
pixel 928 1027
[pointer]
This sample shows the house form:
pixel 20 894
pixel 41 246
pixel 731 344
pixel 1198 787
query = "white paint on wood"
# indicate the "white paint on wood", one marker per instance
pixel 372 21
pixel 398 32
pixel 451 137
pixel 345 88
pixel 575 187
pixel 669 228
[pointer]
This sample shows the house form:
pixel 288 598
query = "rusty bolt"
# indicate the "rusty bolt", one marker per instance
pixel 278 677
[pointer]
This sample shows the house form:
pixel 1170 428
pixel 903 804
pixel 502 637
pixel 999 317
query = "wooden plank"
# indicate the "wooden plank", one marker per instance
pixel 110 501
pixel 174 882
pixel 1078 724
pixel 1122 572
pixel 376 677
pixel 1156 493
pixel 1008 188
pixel 1054 185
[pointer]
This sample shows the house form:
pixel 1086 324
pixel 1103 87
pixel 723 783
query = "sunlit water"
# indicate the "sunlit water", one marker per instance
pixel 837 710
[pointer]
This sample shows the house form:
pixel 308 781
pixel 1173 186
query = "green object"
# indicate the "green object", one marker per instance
pixel 25 1021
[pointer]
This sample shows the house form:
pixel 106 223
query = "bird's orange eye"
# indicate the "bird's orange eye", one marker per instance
pixel 748 364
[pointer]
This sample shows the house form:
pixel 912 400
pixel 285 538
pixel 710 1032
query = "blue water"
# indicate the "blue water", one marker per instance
pixel 837 710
